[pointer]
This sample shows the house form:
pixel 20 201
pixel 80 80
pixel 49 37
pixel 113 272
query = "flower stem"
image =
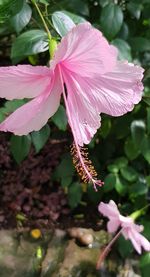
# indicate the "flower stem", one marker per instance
pixel 107 250
pixel 138 213
pixel 43 20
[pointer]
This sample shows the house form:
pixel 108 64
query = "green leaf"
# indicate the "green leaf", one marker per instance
pixel 135 9
pixel 137 131
pixel 124 31
pixel 76 18
pixel 39 138
pixel 20 147
pixel 145 148
pixel 45 2
pixel 146 223
pixel 139 188
pixel 9 107
pixel 62 23
pixel 106 127
pixel 125 247
pixel 112 168
pixel 60 118
pixel 120 186
pixel 148 180
pixel 145 260
pixel 109 182
pixel 29 43
pixel 93 196
pixel 148 120
pixel 124 49
pixel 74 194
pixel 111 20
pixel 9 8
pixel 129 173
pixel 21 19
pixel 65 171
pixel 131 150
pixel 145 264
pixel 121 162
pixel 140 44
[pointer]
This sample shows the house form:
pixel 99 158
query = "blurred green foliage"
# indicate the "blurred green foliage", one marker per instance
pixel 121 148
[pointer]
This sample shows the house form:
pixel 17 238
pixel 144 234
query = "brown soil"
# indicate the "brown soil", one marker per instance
pixel 28 190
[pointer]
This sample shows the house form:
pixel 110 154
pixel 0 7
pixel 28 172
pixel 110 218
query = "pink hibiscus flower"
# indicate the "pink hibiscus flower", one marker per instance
pixel 129 229
pixel 86 72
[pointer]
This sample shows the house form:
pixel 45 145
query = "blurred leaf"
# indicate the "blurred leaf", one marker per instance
pixel 146 224
pixel 125 247
pixel 139 188
pixel 76 18
pixel 137 131
pixel 129 173
pixel 148 180
pixel 45 2
pixel 111 20
pixel 148 120
pixel 109 182
pixel 145 264
pixel 131 150
pixel 93 195
pixel 124 49
pixel 29 43
pixel 124 121
pixel 9 107
pixel 60 118
pixel 135 9
pixel 62 23
pixel 12 105
pixel 124 31
pixel 21 19
pixel 145 148
pixel 120 186
pixel 112 168
pixel 121 162
pixel 74 194
pixel 103 3
pixel 39 138
pixel 65 171
pixel 140 44
pixel 106 127
pixel 9 8
pixel 20 147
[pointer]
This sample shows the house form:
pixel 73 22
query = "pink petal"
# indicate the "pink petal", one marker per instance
pixel 85 120
pixel 109 210
pixel 85 51
pixel 136 243
pixel 144 242
pixel 23 81
pixel 34 115
pixel 119 90
pixel 113 225
pixel 132 232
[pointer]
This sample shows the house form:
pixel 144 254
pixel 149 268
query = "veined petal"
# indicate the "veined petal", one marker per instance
pixel 34 115
pixel 85 51
pixel 116 92
pixel 85 118
pixel 23 81
pixel 119 90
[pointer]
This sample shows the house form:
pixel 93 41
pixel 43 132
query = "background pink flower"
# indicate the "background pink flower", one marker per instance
pixel 129 229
